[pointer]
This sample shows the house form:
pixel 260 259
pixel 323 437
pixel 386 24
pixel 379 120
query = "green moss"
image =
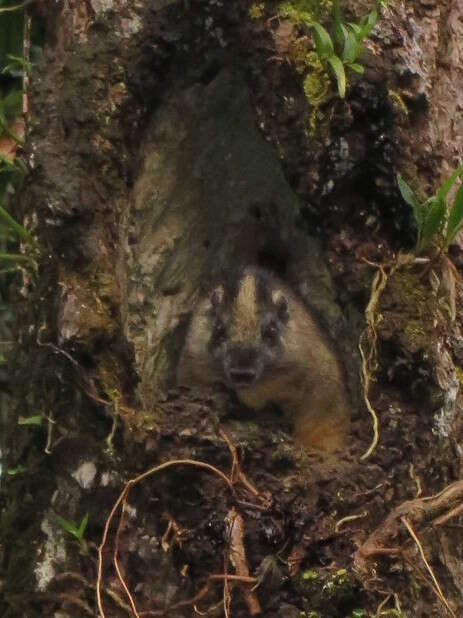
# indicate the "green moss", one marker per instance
pixel 408 290
pixel 300 55
pixel 416 334
pixel 459 373
pixel 317 88
pixel 408 311
pixel 304 12
pixel 256 10
pixel 398 104
pixel 309 575
pixel 322 587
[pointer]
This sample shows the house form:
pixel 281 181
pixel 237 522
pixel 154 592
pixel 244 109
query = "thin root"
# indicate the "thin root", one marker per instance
pixel 436 586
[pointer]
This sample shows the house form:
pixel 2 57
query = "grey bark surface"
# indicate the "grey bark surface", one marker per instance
pixel 169 142
pixel 211 197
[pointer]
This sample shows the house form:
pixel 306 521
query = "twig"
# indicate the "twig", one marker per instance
pixel 226 594
pixel 205 589
pixel 344 520
pixel 382 604
pixel 238 558
pixel 50 422
pixel 235 469
pixel 416 479
pixel 16 7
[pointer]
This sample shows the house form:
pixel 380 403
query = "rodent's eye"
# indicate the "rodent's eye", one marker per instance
pixel 270 333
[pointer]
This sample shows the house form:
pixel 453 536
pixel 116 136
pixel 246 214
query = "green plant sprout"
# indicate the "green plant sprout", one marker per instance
pixel 20 469
pixel 30 421
pixel 76 531
pixel 339 47
pixel 436 222
pixel 9 225
pixel 16 65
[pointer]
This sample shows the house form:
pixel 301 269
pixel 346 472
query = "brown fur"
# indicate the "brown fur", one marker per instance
pixel 245 323
pixel 307 383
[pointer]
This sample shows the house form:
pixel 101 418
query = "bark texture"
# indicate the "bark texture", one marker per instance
pixel 167 142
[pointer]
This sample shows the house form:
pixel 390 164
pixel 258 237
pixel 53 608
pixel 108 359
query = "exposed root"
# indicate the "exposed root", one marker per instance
pixel 174 532
pixel 369 360
pixel 417 511
pixel 236 471
pixel 77 577
pixel 368 339
pixel 235 528
pixel 434 511
pixel 396 610
pixel 438 589
pixel 69 599
pixel 121 502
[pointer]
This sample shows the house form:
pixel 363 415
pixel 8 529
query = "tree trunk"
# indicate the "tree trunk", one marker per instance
pixel 169 143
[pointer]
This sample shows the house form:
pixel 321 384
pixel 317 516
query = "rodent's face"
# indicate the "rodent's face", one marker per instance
pixel 247 330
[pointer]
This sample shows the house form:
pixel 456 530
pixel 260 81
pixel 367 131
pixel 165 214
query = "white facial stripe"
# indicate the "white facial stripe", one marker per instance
pixel 245 322
pixel 277 295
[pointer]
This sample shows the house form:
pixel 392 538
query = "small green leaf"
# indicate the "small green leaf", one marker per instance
pixel 351 46
pixel 12 105
pixel 82 527
pixel 356 67
pixel 340 33
pixel 323 42
pixel 417 207
pixel 24 64
pixel 356 28
pixel 455 220
pixel 30 421
pixel 368 22
pixel 16 471
pixel 71 528
pixel 433 222
pixel 67 526
pixel 17 258
pixel 339 29
pixel 18 229
pixel 445 187
pixel 338 69
pixel 411 199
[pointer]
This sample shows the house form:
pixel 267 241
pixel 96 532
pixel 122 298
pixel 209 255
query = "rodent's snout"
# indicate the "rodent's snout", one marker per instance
pixel 242 377
pixel 242 368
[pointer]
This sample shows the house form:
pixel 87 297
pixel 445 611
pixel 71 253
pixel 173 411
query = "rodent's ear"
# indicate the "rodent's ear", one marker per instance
pixel 281 303
pixel 217 296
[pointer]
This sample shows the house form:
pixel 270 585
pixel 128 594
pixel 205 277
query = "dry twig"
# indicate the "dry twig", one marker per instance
pixel 238 558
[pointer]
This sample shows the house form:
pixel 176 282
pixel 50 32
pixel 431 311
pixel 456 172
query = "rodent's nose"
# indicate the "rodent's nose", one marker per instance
pixel 242 377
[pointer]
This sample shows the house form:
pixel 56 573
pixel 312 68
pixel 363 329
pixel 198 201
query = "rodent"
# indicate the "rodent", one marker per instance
pixel 254 334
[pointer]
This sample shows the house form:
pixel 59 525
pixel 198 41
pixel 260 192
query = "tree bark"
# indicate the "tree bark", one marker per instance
pixel 168 143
